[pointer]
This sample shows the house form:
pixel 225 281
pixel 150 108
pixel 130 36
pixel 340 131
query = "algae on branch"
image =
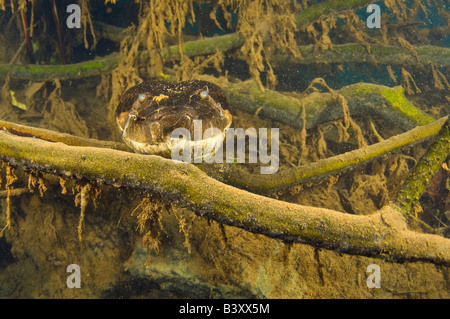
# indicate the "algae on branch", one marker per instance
pixel 363 99
pixel 398 108
pixel 424 171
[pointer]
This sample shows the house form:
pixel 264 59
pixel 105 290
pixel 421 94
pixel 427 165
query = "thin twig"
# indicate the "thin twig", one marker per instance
pixel 18 52
pixel 53 136
pixel 14 192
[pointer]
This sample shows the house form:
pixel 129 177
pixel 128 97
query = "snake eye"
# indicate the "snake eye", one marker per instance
pixel 142 97
pixel 204 94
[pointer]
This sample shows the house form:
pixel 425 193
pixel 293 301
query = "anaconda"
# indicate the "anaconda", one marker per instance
pixel 149 112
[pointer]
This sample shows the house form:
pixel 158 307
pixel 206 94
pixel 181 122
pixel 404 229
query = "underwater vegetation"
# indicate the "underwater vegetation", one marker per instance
pixel 361 102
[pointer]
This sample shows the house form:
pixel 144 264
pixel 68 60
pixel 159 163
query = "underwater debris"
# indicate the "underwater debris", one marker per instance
pixel 440 81
pixel 85 191
pixel 10 179
pixel 149 221
pixel 35 179
pixel 409 83
pixel 62 115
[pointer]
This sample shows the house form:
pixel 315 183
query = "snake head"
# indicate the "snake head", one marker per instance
pixel 149 112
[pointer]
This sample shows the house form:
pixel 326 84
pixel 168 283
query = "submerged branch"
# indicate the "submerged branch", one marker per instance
pixel 357 53
pixel 328 7
pixel 37 72
pixel 424 171
pixel 383 233
pixel 106 64
pixel 364 99
pixel 344 53
pixel 291 176
pixel 52 136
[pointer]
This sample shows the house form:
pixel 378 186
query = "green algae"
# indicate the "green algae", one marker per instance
pixel 398 107
pixel 429 164
pixel 316 11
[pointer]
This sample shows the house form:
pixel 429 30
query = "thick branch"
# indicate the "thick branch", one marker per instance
pixel 341 54
pixel 364 99
pixel 383 233
pixel 38 72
